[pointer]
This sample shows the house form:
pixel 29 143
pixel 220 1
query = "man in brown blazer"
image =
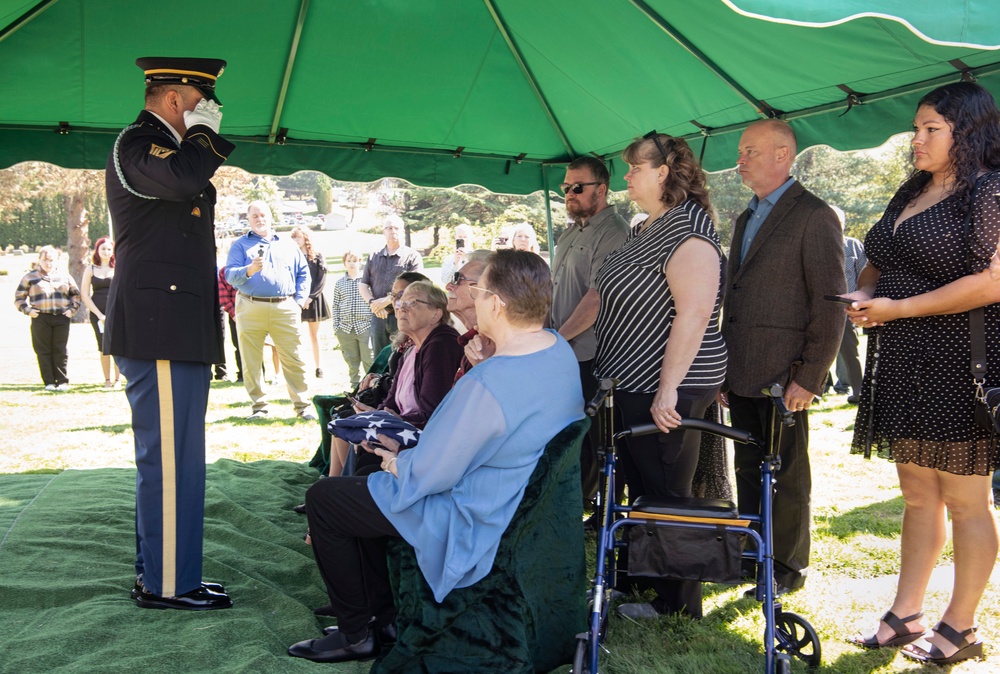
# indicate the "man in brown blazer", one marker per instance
pixel 787 252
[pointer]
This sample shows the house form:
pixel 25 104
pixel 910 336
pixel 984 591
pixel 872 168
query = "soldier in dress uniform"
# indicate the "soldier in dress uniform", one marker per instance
pixel 162 321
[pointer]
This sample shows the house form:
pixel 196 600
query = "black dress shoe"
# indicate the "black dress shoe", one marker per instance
pixel 301 508
pixel 200 599
pixel 336 648
pixel 386 635
pixel 326 611
pixel 214 587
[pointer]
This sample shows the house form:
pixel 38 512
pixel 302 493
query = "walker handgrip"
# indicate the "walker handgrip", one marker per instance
pixel 734 434
pixel 607 385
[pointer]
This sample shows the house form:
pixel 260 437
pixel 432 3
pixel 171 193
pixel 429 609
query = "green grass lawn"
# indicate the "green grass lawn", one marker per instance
pixel 857 511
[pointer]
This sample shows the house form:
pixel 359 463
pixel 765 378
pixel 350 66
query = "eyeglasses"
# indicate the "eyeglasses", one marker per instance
pixel 474 293
pixel 409 304
pixel 457 278
pixel 659 146
pixel 576 188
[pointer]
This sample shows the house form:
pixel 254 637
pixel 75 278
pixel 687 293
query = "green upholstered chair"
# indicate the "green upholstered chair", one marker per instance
pixel 525 614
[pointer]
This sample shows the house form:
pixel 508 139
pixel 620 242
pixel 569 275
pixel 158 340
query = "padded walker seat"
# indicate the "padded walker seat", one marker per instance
pixel 525 614
pixel 684 507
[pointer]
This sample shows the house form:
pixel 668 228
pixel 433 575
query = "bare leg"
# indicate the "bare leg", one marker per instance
pixel 974 537
pixel 921 542
pixel 338 455
pixel 106 367
pixel 314 339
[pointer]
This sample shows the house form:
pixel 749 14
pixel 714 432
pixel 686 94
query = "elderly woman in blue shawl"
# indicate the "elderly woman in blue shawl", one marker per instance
pixel 453 494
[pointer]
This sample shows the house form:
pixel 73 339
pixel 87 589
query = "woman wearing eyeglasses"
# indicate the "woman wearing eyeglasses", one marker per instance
pixel 658 332
pixel 431 355
pixel 453 494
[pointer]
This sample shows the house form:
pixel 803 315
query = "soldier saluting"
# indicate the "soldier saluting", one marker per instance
pixel 163 317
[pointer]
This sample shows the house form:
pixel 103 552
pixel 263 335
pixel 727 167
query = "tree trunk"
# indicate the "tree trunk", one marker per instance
pixel 78 241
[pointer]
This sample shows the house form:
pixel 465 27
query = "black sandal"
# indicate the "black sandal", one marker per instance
pixel 935 656
pixel 898 625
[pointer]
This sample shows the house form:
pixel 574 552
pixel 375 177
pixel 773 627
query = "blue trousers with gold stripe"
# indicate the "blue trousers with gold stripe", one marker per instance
pixel 168 400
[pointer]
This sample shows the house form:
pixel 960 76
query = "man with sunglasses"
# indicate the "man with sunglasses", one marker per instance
pixel 596 230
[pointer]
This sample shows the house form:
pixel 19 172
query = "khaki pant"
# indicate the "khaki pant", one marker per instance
pixel 256 320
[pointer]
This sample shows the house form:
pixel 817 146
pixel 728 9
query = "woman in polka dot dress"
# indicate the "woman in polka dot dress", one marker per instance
pixel 917 402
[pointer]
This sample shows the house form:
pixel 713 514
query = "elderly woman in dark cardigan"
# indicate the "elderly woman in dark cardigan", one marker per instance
pixel 426 371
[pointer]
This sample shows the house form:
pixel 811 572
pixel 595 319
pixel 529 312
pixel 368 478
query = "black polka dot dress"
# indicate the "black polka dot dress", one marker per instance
pixel 917 401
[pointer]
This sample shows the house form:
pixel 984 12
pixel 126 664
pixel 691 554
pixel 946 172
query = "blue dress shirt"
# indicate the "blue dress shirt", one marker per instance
pixel 285 272
pixel 760 209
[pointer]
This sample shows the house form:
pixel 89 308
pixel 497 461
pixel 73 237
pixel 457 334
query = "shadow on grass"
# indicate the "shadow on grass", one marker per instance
pixel 25 388
pixel 114 429
pixel 883 519
pixel 267 421
pixel 270 401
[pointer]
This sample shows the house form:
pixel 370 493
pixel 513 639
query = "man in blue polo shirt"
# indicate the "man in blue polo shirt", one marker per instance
pixel 271 276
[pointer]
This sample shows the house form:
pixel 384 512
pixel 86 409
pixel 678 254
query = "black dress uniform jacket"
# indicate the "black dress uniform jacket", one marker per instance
pixel 164 300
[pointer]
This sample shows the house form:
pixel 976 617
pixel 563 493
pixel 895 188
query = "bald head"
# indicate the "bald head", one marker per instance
pixel 767 151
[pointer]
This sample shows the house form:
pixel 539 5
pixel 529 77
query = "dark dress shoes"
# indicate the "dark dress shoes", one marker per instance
pixel 301 508
pixel 207 597
pixel 336 648
pixel 386 635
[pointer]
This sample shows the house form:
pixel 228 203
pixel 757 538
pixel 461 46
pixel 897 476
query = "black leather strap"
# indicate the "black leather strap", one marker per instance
pixel 977 316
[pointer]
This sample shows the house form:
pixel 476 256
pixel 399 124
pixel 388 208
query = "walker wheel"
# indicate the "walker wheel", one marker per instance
pixel 797 637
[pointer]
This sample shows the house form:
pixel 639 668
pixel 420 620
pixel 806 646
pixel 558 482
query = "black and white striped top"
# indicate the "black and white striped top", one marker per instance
pixel 637 307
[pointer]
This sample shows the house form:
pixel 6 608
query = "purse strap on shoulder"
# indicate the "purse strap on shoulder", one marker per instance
pixel 977 317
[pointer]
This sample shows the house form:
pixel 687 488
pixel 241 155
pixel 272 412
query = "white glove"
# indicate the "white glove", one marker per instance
pixel 206 112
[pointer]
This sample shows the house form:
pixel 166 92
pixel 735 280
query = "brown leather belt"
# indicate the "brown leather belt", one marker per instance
pixel 270 300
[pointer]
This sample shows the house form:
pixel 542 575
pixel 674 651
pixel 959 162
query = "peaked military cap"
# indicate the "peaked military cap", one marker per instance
pixel 198 73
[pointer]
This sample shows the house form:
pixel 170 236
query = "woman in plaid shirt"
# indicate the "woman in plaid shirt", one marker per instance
pixel 49 296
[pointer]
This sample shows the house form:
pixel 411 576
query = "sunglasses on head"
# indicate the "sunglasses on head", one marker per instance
pixel 655 137
pixel 575 188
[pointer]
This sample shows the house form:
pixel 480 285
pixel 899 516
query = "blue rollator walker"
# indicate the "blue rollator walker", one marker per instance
pixel 785 634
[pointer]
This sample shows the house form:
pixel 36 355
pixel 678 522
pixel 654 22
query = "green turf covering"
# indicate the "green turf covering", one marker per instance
pixel 66 549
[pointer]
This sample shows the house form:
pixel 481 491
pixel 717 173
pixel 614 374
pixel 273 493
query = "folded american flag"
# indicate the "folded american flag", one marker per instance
pixel 368 425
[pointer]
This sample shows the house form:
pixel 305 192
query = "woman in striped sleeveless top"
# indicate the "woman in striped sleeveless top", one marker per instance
pixel 658 332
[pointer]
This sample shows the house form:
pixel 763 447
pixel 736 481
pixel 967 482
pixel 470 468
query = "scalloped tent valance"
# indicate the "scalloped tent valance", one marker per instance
pixel 445 92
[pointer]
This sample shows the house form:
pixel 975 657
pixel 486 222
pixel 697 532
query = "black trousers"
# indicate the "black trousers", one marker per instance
pixel 791 518
pixel 49 335
pixel 848 363
pixel 349 536
pixel 663 464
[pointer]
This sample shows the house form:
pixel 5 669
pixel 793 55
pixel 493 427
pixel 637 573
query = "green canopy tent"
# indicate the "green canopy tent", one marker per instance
pixel 490 92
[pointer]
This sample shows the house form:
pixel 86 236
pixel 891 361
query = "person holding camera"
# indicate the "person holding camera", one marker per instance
pixel 463 244
pixel 273 280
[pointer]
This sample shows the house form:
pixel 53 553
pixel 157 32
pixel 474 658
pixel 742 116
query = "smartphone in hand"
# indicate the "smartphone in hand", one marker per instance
pixel 838 298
